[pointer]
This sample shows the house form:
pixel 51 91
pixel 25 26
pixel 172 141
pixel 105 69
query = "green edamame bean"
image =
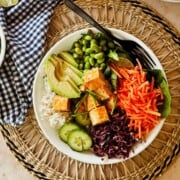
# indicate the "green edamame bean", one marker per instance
pixel 92 55
pixel 84 42
pixel 86 59
pixel 87 37
pixel 95 48
pixel 75 55
pixel 99 61
pixel 87 65
pixel 84 48
pixel 99 55
pixel 78 51
pixel 102 66
pixel 91 61
pixel 93 42
pixel 88 50
pixel 80 66
pixel 76 44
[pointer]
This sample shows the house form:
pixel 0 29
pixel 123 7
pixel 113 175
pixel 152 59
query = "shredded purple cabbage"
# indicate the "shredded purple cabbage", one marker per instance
pixel 113 139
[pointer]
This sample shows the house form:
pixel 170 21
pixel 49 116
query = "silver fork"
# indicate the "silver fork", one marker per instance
pixel 133 48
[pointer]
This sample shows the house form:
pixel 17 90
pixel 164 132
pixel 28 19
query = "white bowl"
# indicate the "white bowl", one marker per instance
pixel 51 134
pixel 172 1
pixel 3 45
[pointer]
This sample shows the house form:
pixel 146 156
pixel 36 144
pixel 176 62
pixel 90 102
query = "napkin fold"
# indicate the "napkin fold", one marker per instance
pixel 25 26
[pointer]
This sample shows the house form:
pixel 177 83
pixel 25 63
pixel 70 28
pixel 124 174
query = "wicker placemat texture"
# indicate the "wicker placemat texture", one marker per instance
pixel 34 151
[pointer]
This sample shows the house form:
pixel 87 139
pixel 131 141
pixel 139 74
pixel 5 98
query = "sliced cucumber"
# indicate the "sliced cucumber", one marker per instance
pixel 79 140
pixel 65 130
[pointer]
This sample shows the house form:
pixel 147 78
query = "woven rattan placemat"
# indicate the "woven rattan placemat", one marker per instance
pixel 34 151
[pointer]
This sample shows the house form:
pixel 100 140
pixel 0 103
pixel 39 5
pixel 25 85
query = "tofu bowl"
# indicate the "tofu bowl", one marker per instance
pixel 81 102
pixel 2 45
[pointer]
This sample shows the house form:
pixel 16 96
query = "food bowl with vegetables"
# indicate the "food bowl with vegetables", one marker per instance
pixel 94 102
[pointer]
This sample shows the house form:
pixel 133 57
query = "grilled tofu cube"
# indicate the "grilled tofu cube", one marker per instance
pixel 91 102
pixel 98 115
pixel 61 103
pixel 93 78
pixel 103 92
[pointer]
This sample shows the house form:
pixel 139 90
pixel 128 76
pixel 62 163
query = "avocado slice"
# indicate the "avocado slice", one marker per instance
pixel 59 68
pixel 68 58
pixel 77 71
pixel 71 81
pixel 61 87
pixel 74 76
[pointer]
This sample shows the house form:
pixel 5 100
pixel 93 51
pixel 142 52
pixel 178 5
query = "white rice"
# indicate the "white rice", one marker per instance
pixel 55 119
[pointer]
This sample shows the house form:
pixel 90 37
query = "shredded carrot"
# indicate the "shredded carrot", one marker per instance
pixel 139 98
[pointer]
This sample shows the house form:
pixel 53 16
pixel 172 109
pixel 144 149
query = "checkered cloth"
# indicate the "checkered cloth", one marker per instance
pixel 25 26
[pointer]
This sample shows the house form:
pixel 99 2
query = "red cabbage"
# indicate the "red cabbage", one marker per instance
pixel 114 138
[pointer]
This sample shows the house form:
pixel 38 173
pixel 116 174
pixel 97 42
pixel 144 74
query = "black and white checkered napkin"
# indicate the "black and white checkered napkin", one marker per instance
pixel 25 26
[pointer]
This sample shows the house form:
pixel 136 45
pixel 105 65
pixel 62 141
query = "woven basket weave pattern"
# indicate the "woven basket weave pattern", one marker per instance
pixel 45 161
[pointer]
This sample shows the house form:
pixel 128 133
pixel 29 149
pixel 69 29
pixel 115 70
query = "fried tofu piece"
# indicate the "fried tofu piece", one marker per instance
pixel 93 78
pixel 61 103
pixel 98 115
pixel 103 92
pixel 91 102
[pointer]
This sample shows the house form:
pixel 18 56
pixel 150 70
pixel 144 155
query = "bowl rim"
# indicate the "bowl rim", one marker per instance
pixel 3 45
pixel 171 1
pixel 152 135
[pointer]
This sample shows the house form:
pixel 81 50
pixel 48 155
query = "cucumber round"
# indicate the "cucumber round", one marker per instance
pixel 65 129
pixel 79 140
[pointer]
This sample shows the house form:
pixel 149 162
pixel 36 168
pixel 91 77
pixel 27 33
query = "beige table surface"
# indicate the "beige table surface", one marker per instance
pixel 11 169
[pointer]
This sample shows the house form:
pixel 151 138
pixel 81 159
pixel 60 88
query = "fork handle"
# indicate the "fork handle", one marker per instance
pixel 89 19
